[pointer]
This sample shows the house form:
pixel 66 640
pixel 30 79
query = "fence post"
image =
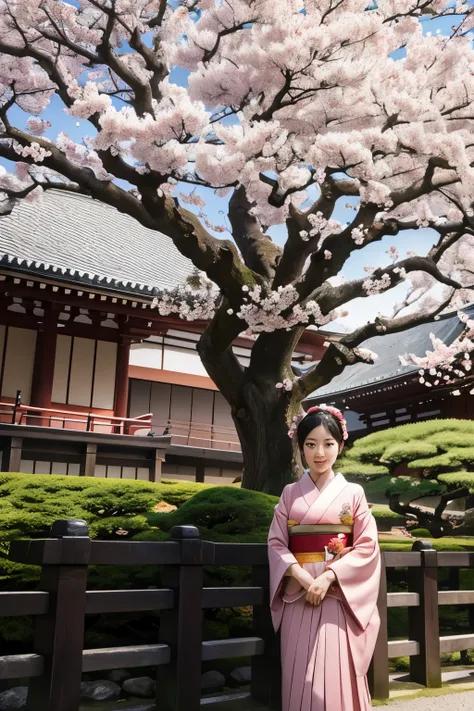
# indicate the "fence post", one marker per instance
pixel 378 676
pixel 179 682
pixel 59 635
pixel 423 621
pixel 266 669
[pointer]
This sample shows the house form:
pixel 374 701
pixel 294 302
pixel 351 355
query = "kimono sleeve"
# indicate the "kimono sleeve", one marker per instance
pixel 280 558
pixel 358 572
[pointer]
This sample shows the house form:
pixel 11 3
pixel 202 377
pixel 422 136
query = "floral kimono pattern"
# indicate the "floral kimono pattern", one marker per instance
pixel 326 649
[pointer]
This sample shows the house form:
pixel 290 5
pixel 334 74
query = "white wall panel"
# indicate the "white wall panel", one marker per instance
pixel 73 469
pixel 42 467
pixel 26 466
pixel 19 360
pixel 181 360
pixel 104 375
pixel 59 468
pixel 61 369
pixel 147 355
pixel 129 472
pixel 82 365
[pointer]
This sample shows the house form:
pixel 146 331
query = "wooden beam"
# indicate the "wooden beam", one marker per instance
pixel 403 599
pixel 121 378
pixel 423 621
pixel 200 472
pixel 456 642
pixel 456 597
pixel 45 358
pixel 156 465
pixel 89 460
pixel 403 648
pixel 11 458
pixel 378 676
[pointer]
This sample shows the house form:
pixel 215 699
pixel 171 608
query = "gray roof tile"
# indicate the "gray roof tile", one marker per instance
pixel 389 348
pixel 75 238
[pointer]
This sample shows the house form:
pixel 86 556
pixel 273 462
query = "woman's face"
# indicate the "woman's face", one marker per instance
pixel 320 451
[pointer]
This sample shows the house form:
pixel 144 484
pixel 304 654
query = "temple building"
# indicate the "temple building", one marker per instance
pixel 82 350
pixel 386 393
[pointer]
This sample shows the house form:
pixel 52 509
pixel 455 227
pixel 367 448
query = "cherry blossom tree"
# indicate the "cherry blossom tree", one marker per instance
pixel 290 107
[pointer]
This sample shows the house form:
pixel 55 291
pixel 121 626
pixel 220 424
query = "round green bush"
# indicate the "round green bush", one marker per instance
pixel 114 509
pixel 421 533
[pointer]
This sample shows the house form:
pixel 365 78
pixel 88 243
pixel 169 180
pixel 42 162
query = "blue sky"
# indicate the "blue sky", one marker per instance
pixel 419 240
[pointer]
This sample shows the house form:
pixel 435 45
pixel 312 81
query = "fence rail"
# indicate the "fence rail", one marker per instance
pixel 60 606
pixel 18 414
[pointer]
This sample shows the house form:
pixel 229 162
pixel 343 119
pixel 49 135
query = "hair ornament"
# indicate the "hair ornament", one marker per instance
pixel 320 408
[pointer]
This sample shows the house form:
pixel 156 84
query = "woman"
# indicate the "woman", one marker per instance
pixel 324 576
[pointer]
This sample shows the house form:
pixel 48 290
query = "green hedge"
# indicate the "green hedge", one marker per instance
pixel 30 503
pixel 223 513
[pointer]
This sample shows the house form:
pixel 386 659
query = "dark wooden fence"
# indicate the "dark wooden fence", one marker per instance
pixel 55 667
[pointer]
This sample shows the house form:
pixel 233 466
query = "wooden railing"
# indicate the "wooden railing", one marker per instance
pixel 199 434
pixel 61 604
pixel 424 645
pixel 19 414
pixel 187 432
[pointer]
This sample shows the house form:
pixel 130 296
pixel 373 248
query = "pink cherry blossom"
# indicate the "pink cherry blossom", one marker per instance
pixel 297 105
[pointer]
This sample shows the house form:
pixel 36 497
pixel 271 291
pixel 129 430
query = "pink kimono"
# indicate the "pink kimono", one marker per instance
pixel 326 649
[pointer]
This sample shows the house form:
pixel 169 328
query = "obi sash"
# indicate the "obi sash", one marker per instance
pixel 319 542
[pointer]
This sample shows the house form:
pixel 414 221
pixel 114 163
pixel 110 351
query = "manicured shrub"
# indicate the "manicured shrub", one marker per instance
pixel 112 508
pixel 420 533
pixel 437 451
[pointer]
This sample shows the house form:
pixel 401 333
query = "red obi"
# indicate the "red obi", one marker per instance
pixel 317 547
pixel 317 542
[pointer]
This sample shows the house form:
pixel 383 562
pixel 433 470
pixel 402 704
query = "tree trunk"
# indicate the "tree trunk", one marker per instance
pixel 267 450
pixel 259 409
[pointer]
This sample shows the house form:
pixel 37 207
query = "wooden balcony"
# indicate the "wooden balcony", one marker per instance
pixel 83 441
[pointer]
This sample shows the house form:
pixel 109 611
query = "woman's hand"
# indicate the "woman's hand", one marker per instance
pixel 319 587
pixel 304 578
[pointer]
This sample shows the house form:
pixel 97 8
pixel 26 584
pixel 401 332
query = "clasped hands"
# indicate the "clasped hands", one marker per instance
pixel 316 588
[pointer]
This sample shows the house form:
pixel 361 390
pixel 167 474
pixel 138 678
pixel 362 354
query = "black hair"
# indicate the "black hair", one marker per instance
pixel 315 419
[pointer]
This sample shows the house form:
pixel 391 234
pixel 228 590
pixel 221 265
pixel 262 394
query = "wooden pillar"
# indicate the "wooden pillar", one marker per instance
pixel 178 685
pixel 59 634
pixel 265 683
pixel 121 377
pixel 11 458
pixel 378 676
pixel 423 621
pixel 45 358
pixel 88 460
pixel 200 472
pixel 158 457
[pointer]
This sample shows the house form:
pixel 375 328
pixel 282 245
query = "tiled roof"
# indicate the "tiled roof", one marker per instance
pixel 389 348
pixel 77 239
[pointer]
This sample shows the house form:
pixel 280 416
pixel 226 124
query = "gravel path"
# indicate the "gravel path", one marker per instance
pixel 449 702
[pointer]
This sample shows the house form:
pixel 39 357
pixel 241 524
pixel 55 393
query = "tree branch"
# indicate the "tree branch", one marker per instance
pixel 259 252
pixel 215 350
pixel 339 355
pixel 332 297
pixel 296 251
pixel 218 258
